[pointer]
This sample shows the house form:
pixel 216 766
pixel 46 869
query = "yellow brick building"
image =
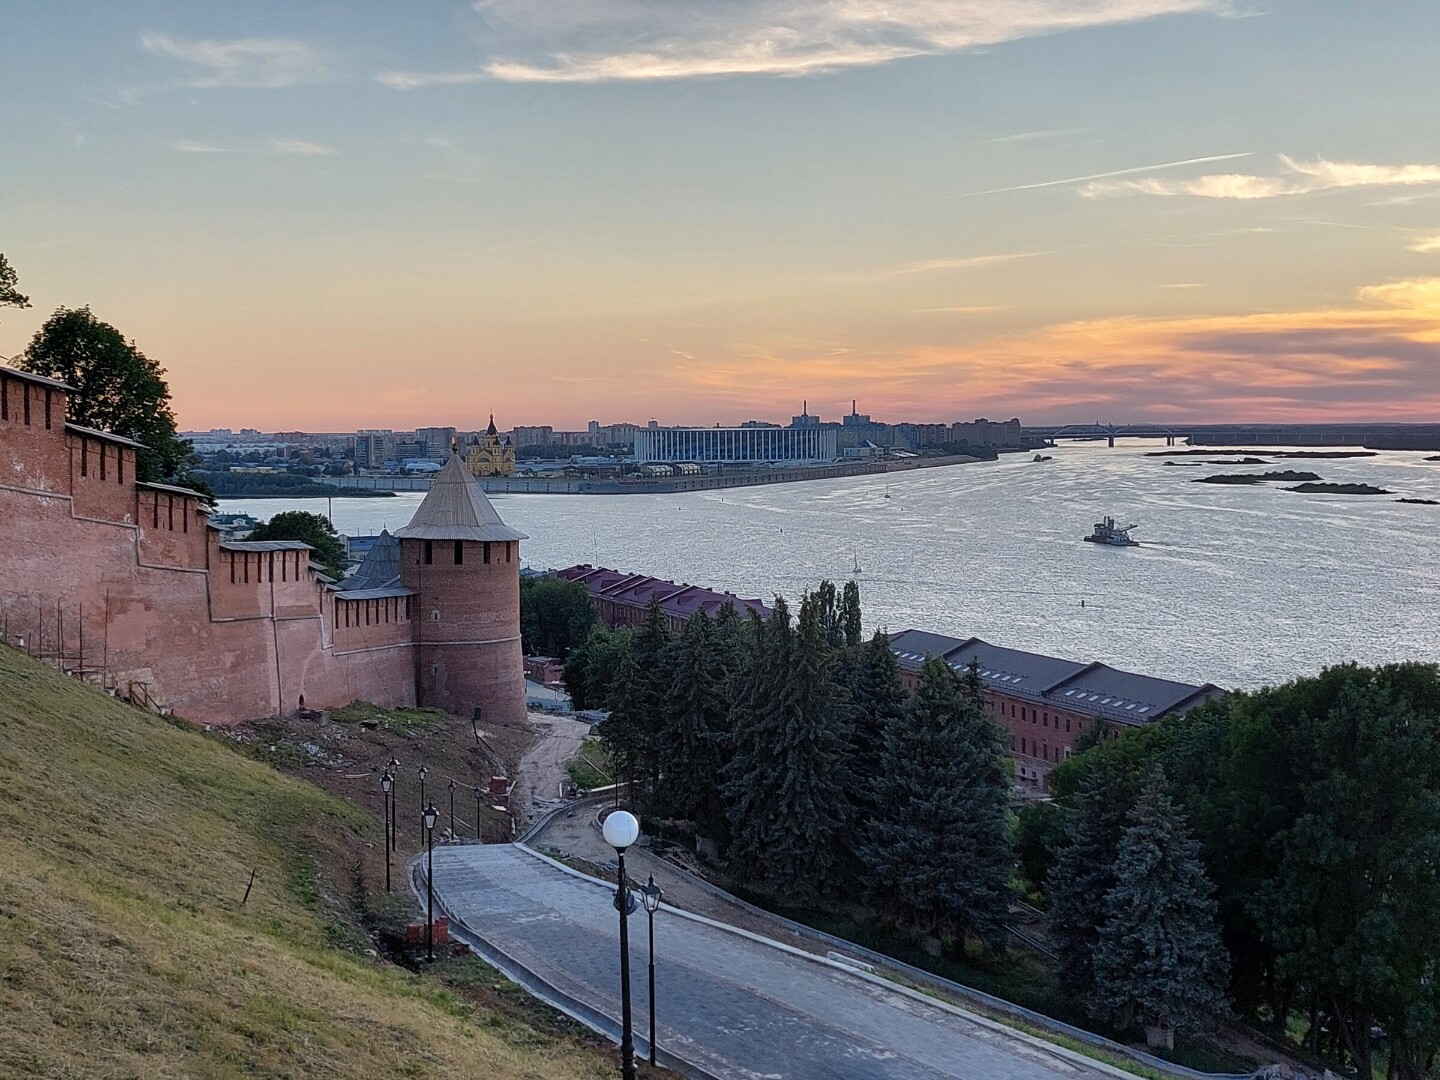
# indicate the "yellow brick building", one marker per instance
pixel 492 455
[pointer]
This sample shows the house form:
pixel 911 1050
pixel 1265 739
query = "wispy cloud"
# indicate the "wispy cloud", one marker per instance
pixel 962 309
pixel 1033 136
pixel 1298 178
pixel 301 146
pixel 1182 285
pixel 562 41
pixel 1426 245
pixel 968 262
pixel 253 62
pixel 187 146
pixel 1134 170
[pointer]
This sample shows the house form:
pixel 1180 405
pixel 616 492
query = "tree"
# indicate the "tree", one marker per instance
pixel 939 840
pixel 636 700
pixel 1158 958
pixel 590 669
pixel 1091 737
pixel 877 701
pixel 555 616
pixel 850 614
pixel 308 528
pixel 117 388
pixel 695 739
pixel 786 783
pixel 1038 834
pixel 10 295
pixel 1084 871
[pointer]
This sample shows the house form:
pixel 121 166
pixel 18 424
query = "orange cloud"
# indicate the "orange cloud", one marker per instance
pixel 1377 359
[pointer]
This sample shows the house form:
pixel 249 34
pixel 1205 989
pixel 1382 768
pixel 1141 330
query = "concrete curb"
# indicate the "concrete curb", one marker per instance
pixel 1065 1054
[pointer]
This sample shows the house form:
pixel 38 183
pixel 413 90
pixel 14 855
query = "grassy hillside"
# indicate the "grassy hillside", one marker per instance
pixel 126 843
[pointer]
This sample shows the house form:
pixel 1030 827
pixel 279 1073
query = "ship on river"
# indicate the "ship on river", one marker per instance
pixel 1107 532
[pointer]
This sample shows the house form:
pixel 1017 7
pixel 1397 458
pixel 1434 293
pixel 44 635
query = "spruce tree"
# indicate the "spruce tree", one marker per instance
pixel 850 614
pixel 1158 959
pixel 877 701
pixel 694 742
pixel 1084 872
pixel 939 841
pixel 786 784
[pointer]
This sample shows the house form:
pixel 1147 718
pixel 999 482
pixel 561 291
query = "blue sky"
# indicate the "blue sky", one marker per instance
pixel 420 213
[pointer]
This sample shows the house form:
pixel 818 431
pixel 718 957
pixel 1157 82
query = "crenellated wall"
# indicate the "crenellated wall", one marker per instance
pixel 127 582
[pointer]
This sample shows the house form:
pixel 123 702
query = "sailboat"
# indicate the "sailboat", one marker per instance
pixel 856 556
pixel 887 491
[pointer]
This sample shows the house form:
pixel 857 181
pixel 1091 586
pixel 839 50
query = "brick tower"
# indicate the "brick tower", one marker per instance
pixel 463 564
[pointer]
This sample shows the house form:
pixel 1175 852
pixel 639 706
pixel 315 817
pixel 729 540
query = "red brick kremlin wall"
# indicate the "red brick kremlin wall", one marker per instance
pixel 128 582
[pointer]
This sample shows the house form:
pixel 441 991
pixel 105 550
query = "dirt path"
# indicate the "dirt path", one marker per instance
pixel 541 773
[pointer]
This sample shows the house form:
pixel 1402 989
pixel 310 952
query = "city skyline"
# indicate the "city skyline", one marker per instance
pixel 1127 210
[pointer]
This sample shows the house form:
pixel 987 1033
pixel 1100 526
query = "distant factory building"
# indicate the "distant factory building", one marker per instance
pixel 735 445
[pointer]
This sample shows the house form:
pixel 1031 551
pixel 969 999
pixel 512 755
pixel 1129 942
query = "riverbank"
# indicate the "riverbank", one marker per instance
pixel 665 485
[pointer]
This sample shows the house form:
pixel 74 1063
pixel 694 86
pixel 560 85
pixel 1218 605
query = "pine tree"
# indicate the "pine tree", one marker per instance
pixel 694 742
pixel 850 614
pixel 877 701
pixel 1158 959
pixel 939 842
pixel 785 786
pixel 1084 872
pixel 829 614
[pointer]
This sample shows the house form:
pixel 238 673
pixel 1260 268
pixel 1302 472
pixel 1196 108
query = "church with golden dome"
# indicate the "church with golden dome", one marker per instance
pixel 491 455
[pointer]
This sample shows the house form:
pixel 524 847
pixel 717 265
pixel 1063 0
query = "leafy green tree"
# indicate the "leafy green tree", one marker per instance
pixel 117 388
pixel 590 669
pixel 850 614
pixel 786 783
pixel 10 295
pixel 1093 736
pixel 1158 959
pixel 555 616
pixel 308 528
pixel 939 840
pixel 828 611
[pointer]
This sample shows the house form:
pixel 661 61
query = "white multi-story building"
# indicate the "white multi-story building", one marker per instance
pixel 799 446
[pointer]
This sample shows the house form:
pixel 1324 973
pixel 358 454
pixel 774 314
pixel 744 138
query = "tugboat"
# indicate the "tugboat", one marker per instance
pixel 1041 457
pixel 1107 532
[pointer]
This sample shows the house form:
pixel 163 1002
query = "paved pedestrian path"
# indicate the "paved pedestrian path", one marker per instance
pixel 735 1007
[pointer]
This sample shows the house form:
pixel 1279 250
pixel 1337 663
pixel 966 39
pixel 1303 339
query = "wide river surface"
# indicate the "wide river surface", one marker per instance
pixel 1236 585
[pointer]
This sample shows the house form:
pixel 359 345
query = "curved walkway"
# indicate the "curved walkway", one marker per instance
pixel 728 1003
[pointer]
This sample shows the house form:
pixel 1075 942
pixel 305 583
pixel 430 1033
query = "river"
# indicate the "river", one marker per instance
pixel 1236 585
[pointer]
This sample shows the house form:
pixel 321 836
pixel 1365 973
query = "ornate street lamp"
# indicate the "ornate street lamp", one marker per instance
pixel 478 793
pixel 452 810
pixel 423 773
pixel 394 769
pixel 621 830
pixel 427 820
pixel 386 783
pixel 650 894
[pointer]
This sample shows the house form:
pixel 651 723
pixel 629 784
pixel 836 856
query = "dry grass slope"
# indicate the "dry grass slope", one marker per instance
pixel 125 846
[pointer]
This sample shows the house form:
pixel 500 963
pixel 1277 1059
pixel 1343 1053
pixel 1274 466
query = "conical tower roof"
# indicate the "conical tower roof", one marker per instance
pixel 456 509
pixel 379 570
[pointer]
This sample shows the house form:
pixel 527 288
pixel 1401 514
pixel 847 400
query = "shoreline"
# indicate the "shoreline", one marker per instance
pixel 525 485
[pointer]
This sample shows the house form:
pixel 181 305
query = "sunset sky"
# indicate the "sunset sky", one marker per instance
pixel 330 215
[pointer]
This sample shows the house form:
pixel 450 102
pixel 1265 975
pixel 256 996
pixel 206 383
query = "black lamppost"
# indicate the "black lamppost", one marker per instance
pixel 650 894
pixel 620 831
pixel 386 783
pixel 478 837
pixel 452 810
pixel 394 798
pixel 423 772
pixel 427 821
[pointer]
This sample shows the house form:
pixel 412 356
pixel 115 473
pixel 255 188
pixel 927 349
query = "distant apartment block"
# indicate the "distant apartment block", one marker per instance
pixel 374 447
pixel 739 445
pixel 1001 434
pixel 437 440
